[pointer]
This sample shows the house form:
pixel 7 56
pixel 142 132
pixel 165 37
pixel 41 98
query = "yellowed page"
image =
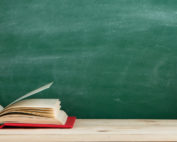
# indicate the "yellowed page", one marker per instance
pixel 29 94
pixel 32 92
pixel 37 103
pixel 14 118
pixel 1 108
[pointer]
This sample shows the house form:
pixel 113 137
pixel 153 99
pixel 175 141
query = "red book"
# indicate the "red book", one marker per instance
pixel 69 124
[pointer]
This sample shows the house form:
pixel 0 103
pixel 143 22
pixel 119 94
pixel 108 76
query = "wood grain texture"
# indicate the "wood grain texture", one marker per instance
pixel 98 130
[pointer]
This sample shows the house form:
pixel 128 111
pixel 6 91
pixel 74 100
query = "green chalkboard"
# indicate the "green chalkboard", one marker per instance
pixel 107 58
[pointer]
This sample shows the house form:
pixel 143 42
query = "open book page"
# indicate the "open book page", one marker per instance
pixel 33 92
pixel 15 118
pixel 30 94
pixel 1 108
pixel 37 103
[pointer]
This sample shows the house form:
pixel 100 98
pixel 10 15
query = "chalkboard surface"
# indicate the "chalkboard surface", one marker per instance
pixel 107 58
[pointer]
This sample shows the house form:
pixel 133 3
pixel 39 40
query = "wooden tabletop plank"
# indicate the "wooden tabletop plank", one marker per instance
pixel 99 130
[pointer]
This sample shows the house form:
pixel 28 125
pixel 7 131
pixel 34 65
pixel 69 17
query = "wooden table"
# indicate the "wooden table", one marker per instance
pixel 98 130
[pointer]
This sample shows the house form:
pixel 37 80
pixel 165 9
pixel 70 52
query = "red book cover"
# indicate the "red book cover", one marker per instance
pixel 69 124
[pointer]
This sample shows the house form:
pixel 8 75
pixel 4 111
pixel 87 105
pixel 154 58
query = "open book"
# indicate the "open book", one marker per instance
pixel 34 111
